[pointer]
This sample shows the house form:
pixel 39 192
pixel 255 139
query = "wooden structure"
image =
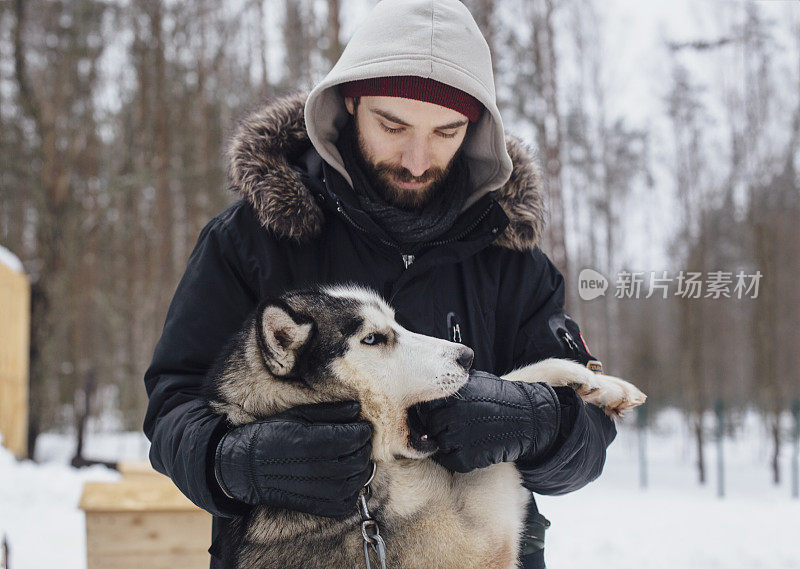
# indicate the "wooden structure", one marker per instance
pixel 15 310
pixel 141 521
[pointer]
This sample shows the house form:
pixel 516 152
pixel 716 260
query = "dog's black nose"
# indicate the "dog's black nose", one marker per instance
pixel 465 358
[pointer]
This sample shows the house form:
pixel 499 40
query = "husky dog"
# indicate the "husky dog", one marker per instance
pixel 308 347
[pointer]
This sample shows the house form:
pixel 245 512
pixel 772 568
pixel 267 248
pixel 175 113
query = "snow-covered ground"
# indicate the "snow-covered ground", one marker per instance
pixel 675 523
pixel 610 523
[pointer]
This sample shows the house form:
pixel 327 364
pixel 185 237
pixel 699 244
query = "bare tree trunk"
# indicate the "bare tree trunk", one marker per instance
pixel 294 37
pixel 699 440
pixel 51 199
pixel 311 36
pixel 57 96
pixel 484 15
pixel 544 55
pixel 776 450
pixel 582 155
pixel 262 36
pixel 684 111
pixel 333 30
pixel 164 205
pixel 83 410
pixel 139 270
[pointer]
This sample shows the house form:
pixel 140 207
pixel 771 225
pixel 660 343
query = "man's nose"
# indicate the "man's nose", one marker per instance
pixel 417 158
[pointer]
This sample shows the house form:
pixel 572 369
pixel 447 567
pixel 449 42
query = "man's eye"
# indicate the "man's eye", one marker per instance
pixel 391 130
pixel 447 135
pixel 374 339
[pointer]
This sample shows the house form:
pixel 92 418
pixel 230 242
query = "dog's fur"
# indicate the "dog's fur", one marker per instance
pixel 306 347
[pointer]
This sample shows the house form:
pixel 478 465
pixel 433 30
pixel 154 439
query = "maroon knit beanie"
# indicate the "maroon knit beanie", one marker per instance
pixel 419 88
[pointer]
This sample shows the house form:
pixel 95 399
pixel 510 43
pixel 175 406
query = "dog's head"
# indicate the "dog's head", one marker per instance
pixel 338 343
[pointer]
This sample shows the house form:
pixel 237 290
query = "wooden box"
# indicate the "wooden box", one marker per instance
pixel 143 522
pixel 14 347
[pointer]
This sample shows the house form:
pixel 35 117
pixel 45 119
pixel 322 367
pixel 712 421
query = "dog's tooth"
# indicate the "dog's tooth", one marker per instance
pixel 424 438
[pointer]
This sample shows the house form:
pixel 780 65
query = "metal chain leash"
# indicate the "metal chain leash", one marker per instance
pixel 369 527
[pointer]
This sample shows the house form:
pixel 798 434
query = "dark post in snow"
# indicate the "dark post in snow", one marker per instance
pixel 720 461
pixel 4 553
pixel 796 453
pixel 641 423
pixel 84 411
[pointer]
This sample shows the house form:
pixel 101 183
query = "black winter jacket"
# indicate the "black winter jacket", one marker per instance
pixel 485 282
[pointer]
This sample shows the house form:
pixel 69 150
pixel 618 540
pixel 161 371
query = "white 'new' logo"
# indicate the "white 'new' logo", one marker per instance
pixel 591 284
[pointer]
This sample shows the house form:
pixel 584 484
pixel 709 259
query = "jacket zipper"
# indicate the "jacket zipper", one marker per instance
pixel 352 222
pixel 593 364
pixel 467 231
pixel 407 259
pixel 570 341
pixel 454 327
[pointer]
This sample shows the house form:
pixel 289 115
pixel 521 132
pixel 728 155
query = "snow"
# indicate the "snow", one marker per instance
pixel 674 523
pixel 39 505
pixel 10 260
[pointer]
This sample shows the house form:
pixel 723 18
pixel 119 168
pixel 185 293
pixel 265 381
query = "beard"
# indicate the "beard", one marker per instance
pixel 382 177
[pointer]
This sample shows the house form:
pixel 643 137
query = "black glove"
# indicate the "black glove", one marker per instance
pixel 491 420
pixel 312 458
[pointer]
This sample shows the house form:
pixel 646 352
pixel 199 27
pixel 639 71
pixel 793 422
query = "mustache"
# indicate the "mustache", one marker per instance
pixel 405 176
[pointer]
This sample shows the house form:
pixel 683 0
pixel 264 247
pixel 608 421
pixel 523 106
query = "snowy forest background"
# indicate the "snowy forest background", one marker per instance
pixel 668 132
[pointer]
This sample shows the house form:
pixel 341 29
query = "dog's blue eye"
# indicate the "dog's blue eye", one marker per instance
pixel 374 339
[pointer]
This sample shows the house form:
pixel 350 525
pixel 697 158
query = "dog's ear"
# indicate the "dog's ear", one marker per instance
pixel 282 333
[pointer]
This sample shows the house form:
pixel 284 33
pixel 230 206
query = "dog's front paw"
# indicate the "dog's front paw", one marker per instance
pixel 612 394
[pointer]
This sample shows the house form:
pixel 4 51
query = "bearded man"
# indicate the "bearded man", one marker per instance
pixel 394 173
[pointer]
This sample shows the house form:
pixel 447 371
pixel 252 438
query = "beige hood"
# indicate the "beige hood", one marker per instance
pixel 435 39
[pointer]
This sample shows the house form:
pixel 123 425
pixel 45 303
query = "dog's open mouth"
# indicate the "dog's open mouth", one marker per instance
pixel 418 439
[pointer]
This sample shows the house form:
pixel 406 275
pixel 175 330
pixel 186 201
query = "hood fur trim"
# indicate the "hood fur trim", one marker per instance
pixel 267 140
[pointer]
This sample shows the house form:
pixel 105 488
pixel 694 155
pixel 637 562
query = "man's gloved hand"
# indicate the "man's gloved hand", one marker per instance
pixel 312 458
pixel 492 420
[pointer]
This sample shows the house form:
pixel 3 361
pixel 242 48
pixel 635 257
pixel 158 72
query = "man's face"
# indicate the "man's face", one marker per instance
pixel 408 146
